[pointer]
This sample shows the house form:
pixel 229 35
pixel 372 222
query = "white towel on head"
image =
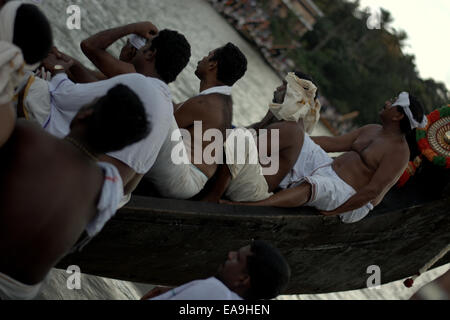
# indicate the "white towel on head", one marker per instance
pixel 11 70
pixel 299 103
pixel 7 20
pixel 404 102
pixel 137 41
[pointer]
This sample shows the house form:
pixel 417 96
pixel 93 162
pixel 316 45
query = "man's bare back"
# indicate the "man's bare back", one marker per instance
pixel 215 111
pixel 49 192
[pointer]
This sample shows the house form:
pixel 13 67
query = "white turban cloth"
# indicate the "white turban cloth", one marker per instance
pixel 11 59
pixel 299 103
pixel 404 102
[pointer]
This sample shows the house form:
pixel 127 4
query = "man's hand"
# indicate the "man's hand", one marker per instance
pixel 155 292
pixel 280 93
pixel 52 60
pixel 145 29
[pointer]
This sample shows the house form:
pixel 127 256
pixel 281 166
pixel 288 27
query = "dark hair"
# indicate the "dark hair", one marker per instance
pixel 119 119
pixel 268 270
pixel 32 33
pixel 304 76
pixel 231 64
pixel 417 112
pixel 173 52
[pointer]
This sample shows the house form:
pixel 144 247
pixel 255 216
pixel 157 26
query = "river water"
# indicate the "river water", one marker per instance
pixel 205 30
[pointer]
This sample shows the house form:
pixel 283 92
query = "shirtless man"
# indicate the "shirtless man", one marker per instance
pixel 212 109
pixel 254 186
pixel 53 190
pixel 351 185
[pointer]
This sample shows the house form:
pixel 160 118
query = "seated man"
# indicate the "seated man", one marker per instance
pixel 54 190
pixel 282 134
pixel 20 48
pixel 353 184
pixel 256 272
pixel 158 63
pixel 211 109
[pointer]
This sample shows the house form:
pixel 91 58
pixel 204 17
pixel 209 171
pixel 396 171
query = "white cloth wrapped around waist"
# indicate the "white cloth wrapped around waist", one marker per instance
pixel 11 289
pixel 299 103
pixel 329 191
pixel 111 195
pixel 248 183
pixel 173 175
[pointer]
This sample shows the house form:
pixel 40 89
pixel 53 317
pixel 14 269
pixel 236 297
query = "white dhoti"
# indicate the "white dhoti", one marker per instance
pixel 173 175
pixel 11 289
pixel 329 191
pixel 109 202
pixel 248 183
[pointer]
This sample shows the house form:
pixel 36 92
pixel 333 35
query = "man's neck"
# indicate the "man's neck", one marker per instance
pixel 149 72
pixel 206 84
pixel 80 143
pixel 392 129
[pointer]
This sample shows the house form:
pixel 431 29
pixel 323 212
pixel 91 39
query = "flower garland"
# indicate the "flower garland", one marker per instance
pixel 425 147
pixel 423 142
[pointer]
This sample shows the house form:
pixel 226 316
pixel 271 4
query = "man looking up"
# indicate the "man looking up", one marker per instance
pixel 255 272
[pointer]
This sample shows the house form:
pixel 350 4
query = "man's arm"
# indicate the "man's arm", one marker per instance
pixel 95 47
pixel 391 168
pixel 338 144
pixel 266 121
pixel 78 73
pixel 217 185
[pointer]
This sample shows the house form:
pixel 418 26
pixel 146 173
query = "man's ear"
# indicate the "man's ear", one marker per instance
pixel 150 55
pixel 398 117
pixel 212 65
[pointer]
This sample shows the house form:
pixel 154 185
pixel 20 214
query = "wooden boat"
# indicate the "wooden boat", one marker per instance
pixel 167 242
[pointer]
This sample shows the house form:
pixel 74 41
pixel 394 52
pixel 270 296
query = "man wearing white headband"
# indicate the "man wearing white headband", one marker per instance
pixel 375 156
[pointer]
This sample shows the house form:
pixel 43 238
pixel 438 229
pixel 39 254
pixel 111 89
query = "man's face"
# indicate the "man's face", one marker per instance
pixel 128 52
pixel 389 111
pixel 280 93
pixel 140 56
pixel 234 270
pixel 203 65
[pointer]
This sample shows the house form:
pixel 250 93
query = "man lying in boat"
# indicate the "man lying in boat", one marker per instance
pixel 255 272
pixel 158 63
pixel 212 109
pixel 20 48
pixel 54 190
pixel 357 181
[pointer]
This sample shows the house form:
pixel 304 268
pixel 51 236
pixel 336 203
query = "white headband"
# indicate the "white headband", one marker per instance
pixel 137 41
pixel 404 102
pixel 7 20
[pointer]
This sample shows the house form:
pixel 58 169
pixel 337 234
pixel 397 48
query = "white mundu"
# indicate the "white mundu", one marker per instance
pixel 179 178
pixel 209 289
pixel 67 98
pixel 329 191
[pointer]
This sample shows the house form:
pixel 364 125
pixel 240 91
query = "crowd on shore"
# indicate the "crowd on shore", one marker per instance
pixel 78 142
